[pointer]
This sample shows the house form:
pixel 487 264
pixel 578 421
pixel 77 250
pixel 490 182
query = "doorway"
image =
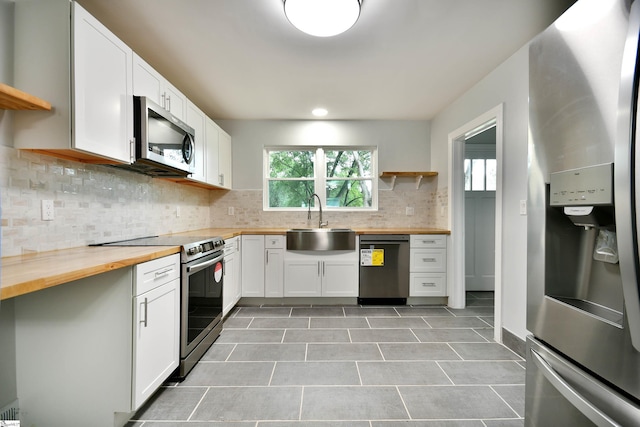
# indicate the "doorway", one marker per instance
pixel 457 144
pixel 480 169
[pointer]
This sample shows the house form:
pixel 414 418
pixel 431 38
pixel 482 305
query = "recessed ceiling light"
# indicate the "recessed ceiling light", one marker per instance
pixel 319 112
pixel 322 18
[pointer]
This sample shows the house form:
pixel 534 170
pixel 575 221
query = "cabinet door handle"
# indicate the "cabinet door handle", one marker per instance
pixel 163 273
pixel 322 268
pixel 132 150
pixel 221 179
pixel 168 108
pixel 163 101
pixel 267 257
pixel 318 268
pixel 144 321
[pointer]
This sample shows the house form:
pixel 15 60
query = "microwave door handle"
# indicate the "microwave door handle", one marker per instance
pixel 203 265
pixel 578 401
pixel 627 178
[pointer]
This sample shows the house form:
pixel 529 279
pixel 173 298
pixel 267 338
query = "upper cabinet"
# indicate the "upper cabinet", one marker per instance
pixel 148 82
pixel 218 156
pixel 87 79
pixel 197 120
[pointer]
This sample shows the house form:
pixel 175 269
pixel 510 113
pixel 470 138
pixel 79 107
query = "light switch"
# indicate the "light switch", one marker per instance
pixel 523 207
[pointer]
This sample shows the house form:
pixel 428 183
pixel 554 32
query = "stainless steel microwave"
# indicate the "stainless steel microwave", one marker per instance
pixel 164 144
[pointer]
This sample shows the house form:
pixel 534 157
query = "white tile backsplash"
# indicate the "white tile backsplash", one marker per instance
pixel 94 203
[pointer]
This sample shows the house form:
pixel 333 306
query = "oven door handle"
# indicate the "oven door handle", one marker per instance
pixel 203 265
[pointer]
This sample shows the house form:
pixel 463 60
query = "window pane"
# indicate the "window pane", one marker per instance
pixel 467 175
pixel 348 164
pixel 290 194
pixel 291 164
pixel 477 175
pixel 491 174
pixel 349 193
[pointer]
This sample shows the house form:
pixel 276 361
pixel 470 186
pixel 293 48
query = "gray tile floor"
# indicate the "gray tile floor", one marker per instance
pixel 349 366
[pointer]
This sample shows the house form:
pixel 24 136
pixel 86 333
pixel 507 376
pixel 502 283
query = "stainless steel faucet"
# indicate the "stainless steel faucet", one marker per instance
pixel 320 223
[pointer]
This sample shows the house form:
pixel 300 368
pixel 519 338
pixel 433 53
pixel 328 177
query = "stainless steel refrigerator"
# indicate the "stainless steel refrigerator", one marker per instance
pixel 583 268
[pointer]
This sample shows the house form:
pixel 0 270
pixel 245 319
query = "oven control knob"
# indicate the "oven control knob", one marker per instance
pixel 194 250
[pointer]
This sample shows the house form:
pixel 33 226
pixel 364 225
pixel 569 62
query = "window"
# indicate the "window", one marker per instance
pixel 343 178
pixel 480 174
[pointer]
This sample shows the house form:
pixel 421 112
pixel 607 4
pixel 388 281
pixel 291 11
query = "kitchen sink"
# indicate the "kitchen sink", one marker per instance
pixel 321 239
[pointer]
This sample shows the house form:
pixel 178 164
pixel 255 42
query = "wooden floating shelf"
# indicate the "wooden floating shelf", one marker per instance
pixel 14 99
pixel 417 175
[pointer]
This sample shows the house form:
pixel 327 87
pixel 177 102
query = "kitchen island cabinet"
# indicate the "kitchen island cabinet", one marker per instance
pixel 83 358
pixel 88 81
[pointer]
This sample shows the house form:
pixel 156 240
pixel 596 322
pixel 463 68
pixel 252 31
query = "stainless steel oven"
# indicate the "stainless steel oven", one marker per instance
pixel 201 307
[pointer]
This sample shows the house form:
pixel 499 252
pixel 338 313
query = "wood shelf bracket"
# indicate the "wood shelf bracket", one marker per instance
pixel 417 175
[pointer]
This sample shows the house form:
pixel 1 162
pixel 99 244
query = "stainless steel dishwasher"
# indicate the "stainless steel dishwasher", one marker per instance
pixel 384 269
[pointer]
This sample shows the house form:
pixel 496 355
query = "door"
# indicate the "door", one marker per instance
pixel 480 204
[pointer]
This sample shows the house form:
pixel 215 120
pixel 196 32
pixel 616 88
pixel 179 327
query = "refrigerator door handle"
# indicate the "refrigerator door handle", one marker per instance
pixel 627 179
pixel 577 400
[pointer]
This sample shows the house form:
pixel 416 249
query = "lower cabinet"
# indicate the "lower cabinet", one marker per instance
pixel 428 265
pixel 96 337
pixel 332 274
pixel 156 324
pixel 231 287
pixel 262 266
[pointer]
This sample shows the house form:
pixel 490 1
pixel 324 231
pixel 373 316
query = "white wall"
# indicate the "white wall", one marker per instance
pixel 402 145
pixel 507 84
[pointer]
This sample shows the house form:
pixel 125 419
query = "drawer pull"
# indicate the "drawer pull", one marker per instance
pixel 429 241
pixel 428 259
pixel 144 321
pixel 163 273
pixel 428 284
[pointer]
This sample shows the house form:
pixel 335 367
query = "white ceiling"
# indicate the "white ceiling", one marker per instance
pixel 403 59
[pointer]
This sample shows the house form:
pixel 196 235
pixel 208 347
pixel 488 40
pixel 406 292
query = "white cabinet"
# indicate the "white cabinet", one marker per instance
pixel 218 148
pixel 262 266
pixel 87 79
pixel 274 266
pixel 156 325
pixel 197 120
pixel 148 82
pixel 224 159
pixel 97 336
pixel 326 274
pixel 428 265
pixel 253 266
pixel 231 288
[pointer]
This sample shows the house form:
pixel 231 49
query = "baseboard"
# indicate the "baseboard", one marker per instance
pixel 515 343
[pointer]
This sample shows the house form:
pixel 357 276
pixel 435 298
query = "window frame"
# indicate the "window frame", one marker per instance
pixel 320 178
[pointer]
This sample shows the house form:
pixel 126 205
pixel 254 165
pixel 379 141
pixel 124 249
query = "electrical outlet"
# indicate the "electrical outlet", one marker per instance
pixel 47 210
pixel 178 211
pixel 523 207
pixel 231 210
pixel 410 211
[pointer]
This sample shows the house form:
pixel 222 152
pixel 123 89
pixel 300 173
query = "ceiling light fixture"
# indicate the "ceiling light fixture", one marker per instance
pixel 322 18
pixel 319 112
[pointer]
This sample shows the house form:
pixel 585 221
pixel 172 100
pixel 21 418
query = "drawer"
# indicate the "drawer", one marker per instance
pixel 428 260
pixel 231 246
pixel 151 274
pixel 428 240
pixel 427 284
pixel 274 242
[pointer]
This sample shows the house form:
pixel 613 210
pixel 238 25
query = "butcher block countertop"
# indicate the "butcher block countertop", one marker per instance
pixel 24 274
